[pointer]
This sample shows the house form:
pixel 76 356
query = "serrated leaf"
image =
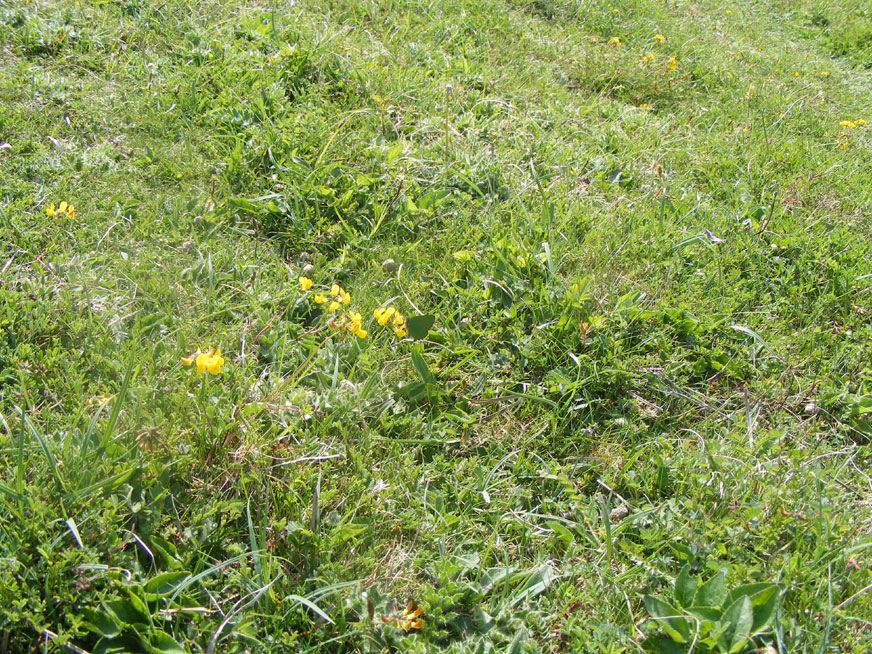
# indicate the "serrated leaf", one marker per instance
pixel 419 326
pixel 671 621
pixel 713 592
pixel 685 588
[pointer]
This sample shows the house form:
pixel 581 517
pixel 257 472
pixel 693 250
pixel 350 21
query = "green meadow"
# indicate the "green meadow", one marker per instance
pixel 364 326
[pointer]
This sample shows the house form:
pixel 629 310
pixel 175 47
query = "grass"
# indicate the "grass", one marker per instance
pixel 649 361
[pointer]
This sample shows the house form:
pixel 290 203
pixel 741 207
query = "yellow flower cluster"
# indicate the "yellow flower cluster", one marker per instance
pixel 305 283
pixel 390 317
pixel 337 297
pixel 210 361
pixel 648 58
pixel 852 124
pixel 65 209
pixel 615 41
pixel 407 619
pixel 660 38
pixel 351 322
pixel 672 64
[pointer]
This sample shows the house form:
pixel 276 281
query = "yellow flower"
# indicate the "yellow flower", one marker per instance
pixel 383 315
pixel 214 363
pixel 850 124
pixel 50 210
pixel 339 297
pixel 201 361
pixel 645 105
pixel 672 64
pixel 825 73
pixel 62 208
pixel 648 58
pixel 210 361
pixel 729 12
pixel 660 38
pixel 615 41
pixel 399 320
pixel 350 322
pixel 410 619
pixel 71 211
pixel 400 332
pixel 305 283
pixel 187 361
pixel 860 122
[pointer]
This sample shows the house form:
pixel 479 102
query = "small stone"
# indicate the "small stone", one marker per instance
pixel 389 265
pixel 307 270
pixel 811 409
pixel 619 513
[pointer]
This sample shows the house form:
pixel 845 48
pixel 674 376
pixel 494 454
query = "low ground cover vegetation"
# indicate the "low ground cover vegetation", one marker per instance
pixel 465 326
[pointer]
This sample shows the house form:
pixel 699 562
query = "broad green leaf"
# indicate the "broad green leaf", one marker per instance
pixel 705 613
pixel 764 614
pixel 165 583
pixel 752 591
pixel 101 622
pixel 127 612
pixel 675 626
pixel 685 588
pixel 393 152
pixel 160 642
pixel 419 326
pixel 421 366
pixel 764 601
pixel 713 592
pixel 739 617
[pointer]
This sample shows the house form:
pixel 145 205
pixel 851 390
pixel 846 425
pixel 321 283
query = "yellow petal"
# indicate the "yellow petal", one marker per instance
pixel 187 361
pixel 63 207
pixel 335 289
pixel 334 306
pixel 201 361
pixel 319 298
pixel 50 210
pixel 305 283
